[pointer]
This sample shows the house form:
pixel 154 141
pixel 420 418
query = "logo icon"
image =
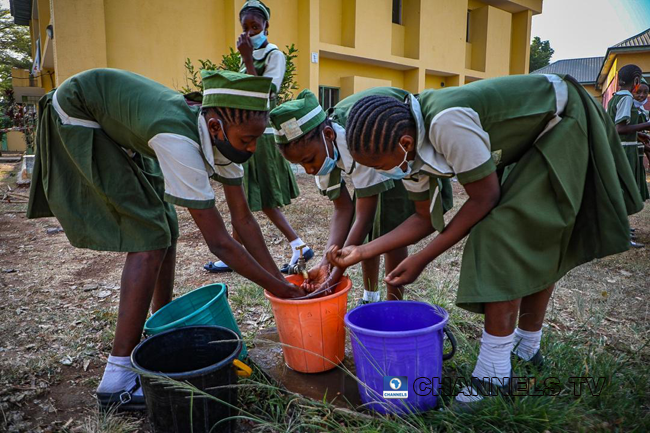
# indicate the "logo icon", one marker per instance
pixel 395 387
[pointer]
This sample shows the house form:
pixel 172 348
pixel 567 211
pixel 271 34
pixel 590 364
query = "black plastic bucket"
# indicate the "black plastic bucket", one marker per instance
pixel 200 355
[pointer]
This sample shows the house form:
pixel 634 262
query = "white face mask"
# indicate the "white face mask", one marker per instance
pixel 396 172
pixel 638 104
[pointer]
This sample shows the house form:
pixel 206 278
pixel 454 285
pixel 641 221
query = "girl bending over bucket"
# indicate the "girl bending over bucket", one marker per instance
pixel 564 203
pixel 306 136
pixel 115 152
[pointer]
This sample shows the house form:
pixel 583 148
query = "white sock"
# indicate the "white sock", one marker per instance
pixel 118 376
pixel 493 363
pixel 295 244
pixel 526 343
pixel 220 264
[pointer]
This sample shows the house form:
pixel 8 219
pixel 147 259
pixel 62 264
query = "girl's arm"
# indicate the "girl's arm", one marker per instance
pixel 484 195
pixel 234 255
pixel 416 227
pixel 245 48
pixel 628 129
pixel 364 218
pixel 245 224
pixel 339 229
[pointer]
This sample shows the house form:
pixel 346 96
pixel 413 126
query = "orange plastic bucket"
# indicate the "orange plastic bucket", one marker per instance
pixel 312 331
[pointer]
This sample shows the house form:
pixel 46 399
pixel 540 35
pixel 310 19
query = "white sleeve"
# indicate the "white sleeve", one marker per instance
pixel 275 68
pixel 368 181
pixel 186 180
pixel 457 134
pixel 624 110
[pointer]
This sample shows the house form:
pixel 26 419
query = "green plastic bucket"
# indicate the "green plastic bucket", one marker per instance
pixel 207 305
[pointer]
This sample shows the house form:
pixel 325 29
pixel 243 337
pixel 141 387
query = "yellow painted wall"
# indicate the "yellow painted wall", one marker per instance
pixel 331 71
pixel 355 84
pixel 498 42
pixel 16 141
pixel 80 36
pixel 352 38
pixel 444 21
pixel 520 42
pixel 153 38
pixel 478 37
pixel 591 89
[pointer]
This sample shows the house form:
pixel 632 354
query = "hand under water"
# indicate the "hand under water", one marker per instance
pixel 344 257
pixel 318 275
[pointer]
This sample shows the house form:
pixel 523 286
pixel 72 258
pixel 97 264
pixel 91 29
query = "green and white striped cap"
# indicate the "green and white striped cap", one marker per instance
pixel 293 119
pixel 235 90
pixel 259 5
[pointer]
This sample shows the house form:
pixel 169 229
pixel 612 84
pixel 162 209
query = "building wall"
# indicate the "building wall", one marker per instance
pixel 16 141
pixel 342 43
pixel 610 86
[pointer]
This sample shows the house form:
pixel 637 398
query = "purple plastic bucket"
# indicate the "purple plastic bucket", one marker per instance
pixel 399 338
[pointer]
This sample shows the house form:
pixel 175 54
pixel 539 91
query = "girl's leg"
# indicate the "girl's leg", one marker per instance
pixel 370 268
pixel 531 317
pixel 277 218
pixel 139 276
pixel 139 280
pixel 493 363
pixel 391 260
pixel 163 292
pixel 533 309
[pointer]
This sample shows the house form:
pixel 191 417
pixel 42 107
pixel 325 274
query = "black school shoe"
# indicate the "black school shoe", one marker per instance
pixel 122 401
pixel 536 362
pixel 210 267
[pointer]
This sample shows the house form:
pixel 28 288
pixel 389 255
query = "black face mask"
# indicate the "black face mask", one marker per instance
pixel 227 150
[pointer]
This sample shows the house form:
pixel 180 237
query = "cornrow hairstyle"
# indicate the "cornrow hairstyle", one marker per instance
pixel 376 123
pixel 628 73
pixel 235 116
pixel 253 11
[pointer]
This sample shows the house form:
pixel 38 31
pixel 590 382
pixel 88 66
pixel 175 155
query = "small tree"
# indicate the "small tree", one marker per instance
pixel 540 53
pixel 232 62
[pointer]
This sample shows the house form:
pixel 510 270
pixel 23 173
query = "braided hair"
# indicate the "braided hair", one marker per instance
pixel 235 116
pixel 628 73
pixel 376 123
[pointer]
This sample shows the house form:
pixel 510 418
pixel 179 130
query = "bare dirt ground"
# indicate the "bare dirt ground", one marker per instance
pixel 58 303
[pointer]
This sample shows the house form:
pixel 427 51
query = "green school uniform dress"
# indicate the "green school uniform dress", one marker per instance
pixel 640 175
pixel 114 152
pixel 269 181
pixel 564 203
pixel 622 110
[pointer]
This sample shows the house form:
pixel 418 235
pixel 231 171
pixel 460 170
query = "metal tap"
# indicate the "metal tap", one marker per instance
pixel 300 268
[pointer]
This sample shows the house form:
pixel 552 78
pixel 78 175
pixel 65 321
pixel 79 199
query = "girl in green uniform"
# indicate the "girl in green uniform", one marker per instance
pixel 268 179
pixel 640 99
pixel 306 136
pixel 527 232
pixel 115 152
pixel 625 114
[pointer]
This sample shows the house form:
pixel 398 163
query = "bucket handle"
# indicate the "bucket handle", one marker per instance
pixel 242 369
pixel 452 340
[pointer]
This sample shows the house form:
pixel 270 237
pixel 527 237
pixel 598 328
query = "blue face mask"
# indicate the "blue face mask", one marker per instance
pixel 397 173
pixel 258 40
pixel 330 163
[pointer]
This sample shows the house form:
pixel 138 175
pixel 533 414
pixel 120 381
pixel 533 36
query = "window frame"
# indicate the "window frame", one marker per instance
pixel 322 93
